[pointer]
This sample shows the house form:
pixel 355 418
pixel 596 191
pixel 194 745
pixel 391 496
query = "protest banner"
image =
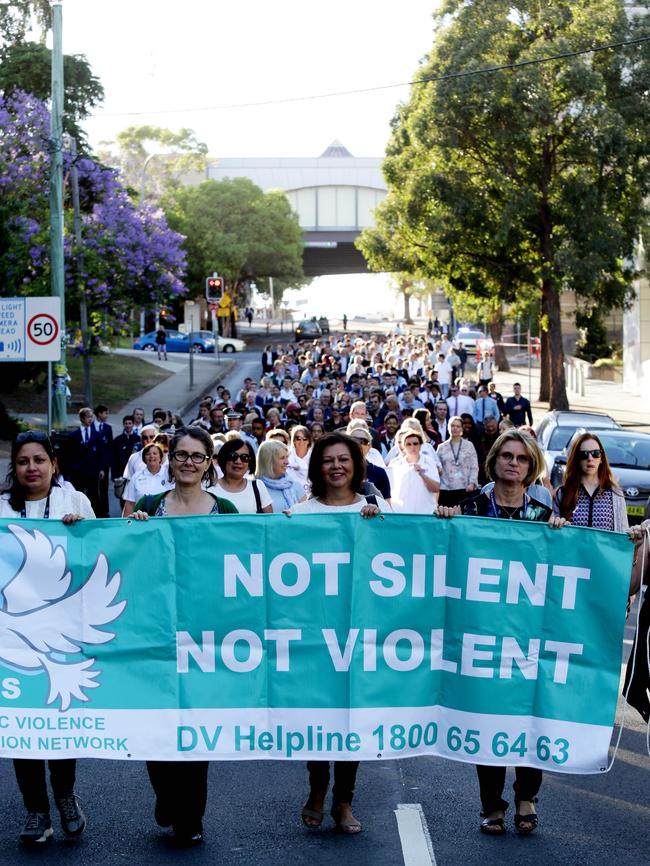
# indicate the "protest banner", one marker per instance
pixel 315 636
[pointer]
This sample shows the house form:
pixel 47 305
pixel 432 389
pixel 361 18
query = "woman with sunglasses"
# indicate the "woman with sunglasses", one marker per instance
pixel 237 462
pixel 589 494
pixel 181 788
pixel 32 491
pixel 513 463
pixel 299 454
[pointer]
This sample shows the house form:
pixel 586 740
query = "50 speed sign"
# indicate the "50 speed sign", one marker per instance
pixel 42 329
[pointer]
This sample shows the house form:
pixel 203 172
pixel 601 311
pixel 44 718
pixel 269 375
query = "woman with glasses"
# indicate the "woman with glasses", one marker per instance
pixel 336 471
pixel 513 463
pixel 152 478
pixel 181 788
pixel 271 470
pixel 299 454
pixel 32 491
pixel 237 462
pixel 589 494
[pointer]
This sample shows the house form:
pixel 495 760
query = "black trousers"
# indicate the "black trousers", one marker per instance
pixel 492 780
pixel 30 775
pixel 451 498
pixel 181 790
pixel 345 775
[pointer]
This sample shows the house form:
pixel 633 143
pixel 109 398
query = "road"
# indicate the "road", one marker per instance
pixel 253 816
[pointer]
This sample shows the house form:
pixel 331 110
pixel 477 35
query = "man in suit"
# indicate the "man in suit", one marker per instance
pixel 89 460
pixel 269 357
pixel 105 430
pixel 123 446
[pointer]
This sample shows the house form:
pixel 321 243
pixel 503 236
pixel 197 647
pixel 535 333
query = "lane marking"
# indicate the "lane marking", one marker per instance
pixel 414 837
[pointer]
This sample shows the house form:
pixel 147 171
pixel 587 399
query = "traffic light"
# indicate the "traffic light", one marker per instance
pixel 214 287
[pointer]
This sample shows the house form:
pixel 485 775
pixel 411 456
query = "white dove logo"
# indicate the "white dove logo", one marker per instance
pixel 38 619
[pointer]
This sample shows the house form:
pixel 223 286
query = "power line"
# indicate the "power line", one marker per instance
pixel 553 58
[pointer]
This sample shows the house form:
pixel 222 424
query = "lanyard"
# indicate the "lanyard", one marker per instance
pixel 456 454
pixel 494 508
pixel 46 513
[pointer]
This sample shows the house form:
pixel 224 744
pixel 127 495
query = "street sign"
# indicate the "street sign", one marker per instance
pixel 30 329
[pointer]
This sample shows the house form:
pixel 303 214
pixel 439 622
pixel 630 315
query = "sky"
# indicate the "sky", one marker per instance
pixel 160 62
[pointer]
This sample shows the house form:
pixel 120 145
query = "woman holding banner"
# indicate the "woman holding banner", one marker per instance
pixel 513 463
pixel 181 788
pixel 336 472
pixel 33 492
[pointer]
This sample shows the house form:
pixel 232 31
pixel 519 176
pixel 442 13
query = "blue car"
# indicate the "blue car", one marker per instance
pixel 202 341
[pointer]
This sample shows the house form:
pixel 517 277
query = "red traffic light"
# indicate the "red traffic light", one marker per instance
pixel 215 284
pixel 214 288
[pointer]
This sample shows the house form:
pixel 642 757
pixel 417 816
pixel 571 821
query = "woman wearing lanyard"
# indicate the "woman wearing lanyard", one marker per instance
pixel 181 788
pixel 589 494
pixel 514 462
pixel 33 492
pixel 459 472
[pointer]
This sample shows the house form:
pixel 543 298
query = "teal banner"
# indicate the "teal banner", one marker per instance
pixel 312 636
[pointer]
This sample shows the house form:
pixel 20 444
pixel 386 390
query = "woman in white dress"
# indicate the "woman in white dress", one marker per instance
pixel 414 478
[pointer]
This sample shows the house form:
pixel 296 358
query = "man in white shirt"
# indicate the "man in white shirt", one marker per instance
pixel 443 369
pixel 459 401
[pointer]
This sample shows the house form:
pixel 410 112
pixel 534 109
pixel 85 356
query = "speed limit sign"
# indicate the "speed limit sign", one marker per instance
pixel 42 329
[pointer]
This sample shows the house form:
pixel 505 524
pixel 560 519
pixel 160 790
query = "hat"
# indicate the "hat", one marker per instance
pixel 233 414
pixel 292 407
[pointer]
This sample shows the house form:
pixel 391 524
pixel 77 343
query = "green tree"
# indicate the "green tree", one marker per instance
pixel 27 66
pixel 152 159
pixel 17 17
pixel 527 179
pixel 234 228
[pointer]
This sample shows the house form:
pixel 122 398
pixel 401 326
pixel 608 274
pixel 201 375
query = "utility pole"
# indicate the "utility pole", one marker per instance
pixel 83 306
pixel 59 403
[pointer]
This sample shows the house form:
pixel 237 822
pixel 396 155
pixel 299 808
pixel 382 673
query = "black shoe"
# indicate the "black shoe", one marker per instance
pixel 162 815
pixel 187 838
pixel 73 820
pixel 37 829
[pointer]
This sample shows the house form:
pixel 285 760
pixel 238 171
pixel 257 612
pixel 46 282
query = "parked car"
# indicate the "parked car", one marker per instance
pixel 628 453
pixel 555 430
pixel 308 329
pixel 202 341
pixel 472 338
pixel 231 344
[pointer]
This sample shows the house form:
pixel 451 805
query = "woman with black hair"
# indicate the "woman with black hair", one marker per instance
pixel 336 471
pixel 181 788
pixel 249 495
pixel 32 491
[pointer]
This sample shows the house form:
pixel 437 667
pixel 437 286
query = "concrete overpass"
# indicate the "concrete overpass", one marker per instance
pixel 334 195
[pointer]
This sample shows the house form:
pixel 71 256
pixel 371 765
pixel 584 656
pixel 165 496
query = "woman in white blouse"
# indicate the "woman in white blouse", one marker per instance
pixel 299 455
pixel 414 479
pixel 153 478
pixel 33 492
pixel 458 465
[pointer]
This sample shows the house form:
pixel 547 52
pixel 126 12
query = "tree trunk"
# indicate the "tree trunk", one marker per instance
pixel 407 307
pixel 544 358
pixel 496 330
pixel 558 397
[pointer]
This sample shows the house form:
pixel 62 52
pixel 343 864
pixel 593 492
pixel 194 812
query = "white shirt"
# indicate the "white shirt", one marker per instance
pixel 443 369
pixel 460 404
pixel 409 494
pixel 244 500
pixel 299 467
pixel 62 501
pixel 144 483
pixel 315 506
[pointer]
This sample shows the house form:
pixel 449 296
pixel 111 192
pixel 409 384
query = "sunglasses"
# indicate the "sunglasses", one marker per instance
pixel 31 436
pixel 244 458
pixel 595 452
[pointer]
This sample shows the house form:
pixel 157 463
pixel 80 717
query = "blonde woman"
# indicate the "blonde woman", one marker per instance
pixel 272 463
pixel 458 465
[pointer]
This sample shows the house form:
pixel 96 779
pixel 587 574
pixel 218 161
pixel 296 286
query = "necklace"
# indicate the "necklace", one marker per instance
pixel 508 511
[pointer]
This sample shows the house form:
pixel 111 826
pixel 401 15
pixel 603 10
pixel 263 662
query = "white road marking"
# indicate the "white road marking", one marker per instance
pixel 414 837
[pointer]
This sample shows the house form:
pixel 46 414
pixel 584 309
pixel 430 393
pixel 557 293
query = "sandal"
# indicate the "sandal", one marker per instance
pixel 526 823
pixel 311 817
pixel 345 823
pixel 494 826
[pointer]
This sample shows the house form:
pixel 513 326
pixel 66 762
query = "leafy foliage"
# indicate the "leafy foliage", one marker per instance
pixel 526 181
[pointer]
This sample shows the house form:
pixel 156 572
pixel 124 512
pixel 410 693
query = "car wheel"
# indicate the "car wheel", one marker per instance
pixel 148 348
pixel 228 348
pixel 197 348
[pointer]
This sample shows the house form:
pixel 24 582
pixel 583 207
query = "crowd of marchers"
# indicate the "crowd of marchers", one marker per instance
pixel 362 424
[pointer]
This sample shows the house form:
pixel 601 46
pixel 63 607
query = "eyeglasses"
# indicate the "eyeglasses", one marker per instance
pixel 508 457
pixel 594 452
pixel 245 458
pixel 31 436
pixel 300 439
pixel 196 457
